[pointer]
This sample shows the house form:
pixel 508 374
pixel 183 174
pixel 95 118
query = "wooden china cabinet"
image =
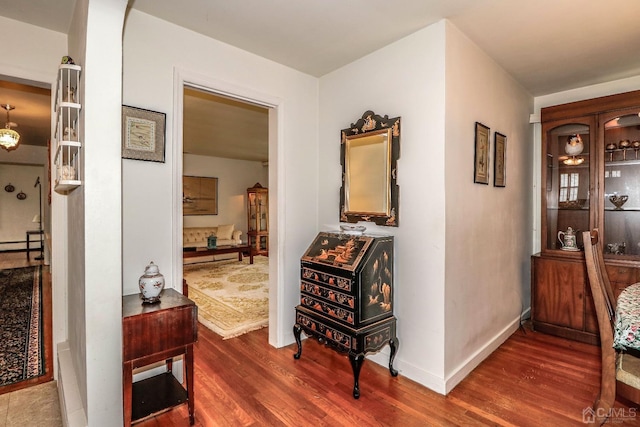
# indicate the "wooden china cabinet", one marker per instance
pixel 590 178
pixel 258 219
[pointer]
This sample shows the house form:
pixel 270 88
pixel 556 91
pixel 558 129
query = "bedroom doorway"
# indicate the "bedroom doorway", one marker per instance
pixel 225 151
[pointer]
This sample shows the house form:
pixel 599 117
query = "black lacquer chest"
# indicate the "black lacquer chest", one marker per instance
pixel 346 296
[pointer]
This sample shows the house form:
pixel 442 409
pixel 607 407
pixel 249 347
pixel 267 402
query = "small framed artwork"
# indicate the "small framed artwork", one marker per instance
pixel 142 134
pixel 481 165
pixel 499 160
pixel 199 195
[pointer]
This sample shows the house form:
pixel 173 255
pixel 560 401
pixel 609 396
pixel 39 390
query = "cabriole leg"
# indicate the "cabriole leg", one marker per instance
pixel 393 344
pixel 296 333
pixel 356 365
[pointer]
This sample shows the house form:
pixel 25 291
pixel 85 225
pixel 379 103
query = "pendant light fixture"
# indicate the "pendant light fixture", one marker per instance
pixel 8 137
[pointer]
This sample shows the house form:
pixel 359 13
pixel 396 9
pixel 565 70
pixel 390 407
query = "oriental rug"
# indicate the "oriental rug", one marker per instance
pixel 21 343
pixel 232 296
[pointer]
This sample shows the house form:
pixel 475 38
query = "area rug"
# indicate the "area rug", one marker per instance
pixel 232 296
pixel 21 324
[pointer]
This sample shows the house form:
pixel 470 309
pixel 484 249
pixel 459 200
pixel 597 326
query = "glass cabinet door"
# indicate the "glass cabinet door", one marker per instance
pixel 262 211
pixel 253 212
pixel 621 195
pixel 566 184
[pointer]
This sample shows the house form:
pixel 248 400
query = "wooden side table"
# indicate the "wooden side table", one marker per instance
pixel 152 333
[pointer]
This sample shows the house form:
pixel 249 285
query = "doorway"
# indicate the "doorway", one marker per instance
pixel 25 226
pixel 225 152
pixel 232 95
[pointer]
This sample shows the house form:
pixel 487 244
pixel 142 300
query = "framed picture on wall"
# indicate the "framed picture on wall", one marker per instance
pixel 142 134
pixel 499 160
pixel 199 195
pixel 481 164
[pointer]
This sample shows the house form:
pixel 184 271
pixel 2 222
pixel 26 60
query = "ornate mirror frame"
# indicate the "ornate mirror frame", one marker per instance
pixel 375 131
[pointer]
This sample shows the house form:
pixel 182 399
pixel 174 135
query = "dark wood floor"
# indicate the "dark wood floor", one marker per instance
pixel 533 379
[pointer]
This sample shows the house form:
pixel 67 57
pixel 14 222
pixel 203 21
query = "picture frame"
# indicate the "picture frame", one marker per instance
pixel 143 134
pixel 481 161
pixel 499 160
pixel 199 195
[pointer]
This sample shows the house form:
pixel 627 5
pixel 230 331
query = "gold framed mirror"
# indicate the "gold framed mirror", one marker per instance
pixel 369 152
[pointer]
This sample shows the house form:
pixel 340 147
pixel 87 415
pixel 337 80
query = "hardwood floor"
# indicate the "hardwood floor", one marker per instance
pixel 17 260
pixel 533 379
pixel 10 260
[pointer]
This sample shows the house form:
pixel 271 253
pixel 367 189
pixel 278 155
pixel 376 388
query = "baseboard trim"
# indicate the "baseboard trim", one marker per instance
pixel 71 409
pixel 475 359
pixel 436 383
pixel 408 370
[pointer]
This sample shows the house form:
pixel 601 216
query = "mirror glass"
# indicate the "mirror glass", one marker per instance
pixel 370 149
pixel 367 162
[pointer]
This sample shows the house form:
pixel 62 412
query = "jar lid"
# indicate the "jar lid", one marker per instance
pixel 152 269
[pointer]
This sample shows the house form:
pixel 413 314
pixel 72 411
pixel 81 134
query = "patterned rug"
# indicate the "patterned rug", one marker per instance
pixel 21 323
pixel 232 296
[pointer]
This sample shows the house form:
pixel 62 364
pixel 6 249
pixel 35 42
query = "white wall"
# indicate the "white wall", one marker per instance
pixel 488 244
pixel 16 215
pixel 102 210
pixel 154 53
pixel 445 313
pixel 403 79
pixel 91 226
pixel 74 231
pixel 34 52
pixel 234 177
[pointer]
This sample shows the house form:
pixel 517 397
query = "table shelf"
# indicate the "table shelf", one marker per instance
pixel 155 395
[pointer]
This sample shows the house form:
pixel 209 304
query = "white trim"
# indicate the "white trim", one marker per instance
pixel 29 77
pixel 444 386
pixel 71 408
pixel 276 172
pixel 409 370
pixel 475 359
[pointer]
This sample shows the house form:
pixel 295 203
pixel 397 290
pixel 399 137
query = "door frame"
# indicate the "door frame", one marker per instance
pixel 187 78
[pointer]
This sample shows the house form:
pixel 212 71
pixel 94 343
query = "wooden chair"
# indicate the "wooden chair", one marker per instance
pixel 622 367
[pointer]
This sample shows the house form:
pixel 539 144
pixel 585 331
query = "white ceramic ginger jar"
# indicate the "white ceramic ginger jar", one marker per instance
pixel 151 284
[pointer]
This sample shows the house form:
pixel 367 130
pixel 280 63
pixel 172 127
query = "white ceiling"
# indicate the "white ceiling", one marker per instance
pixel 546 45
pixel 229 128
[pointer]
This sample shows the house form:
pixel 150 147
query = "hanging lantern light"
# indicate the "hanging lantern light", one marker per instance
pixel 8 137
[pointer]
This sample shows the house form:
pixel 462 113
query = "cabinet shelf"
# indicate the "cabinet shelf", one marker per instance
pixel 69 105
pixel 632 162
pixel 63 143
pixel 65 185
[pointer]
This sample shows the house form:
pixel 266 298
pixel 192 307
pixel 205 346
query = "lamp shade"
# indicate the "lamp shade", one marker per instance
pixel 9 138
pixel 36 218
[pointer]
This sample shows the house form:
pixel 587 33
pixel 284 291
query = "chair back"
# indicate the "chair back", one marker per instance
pixel 601 291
